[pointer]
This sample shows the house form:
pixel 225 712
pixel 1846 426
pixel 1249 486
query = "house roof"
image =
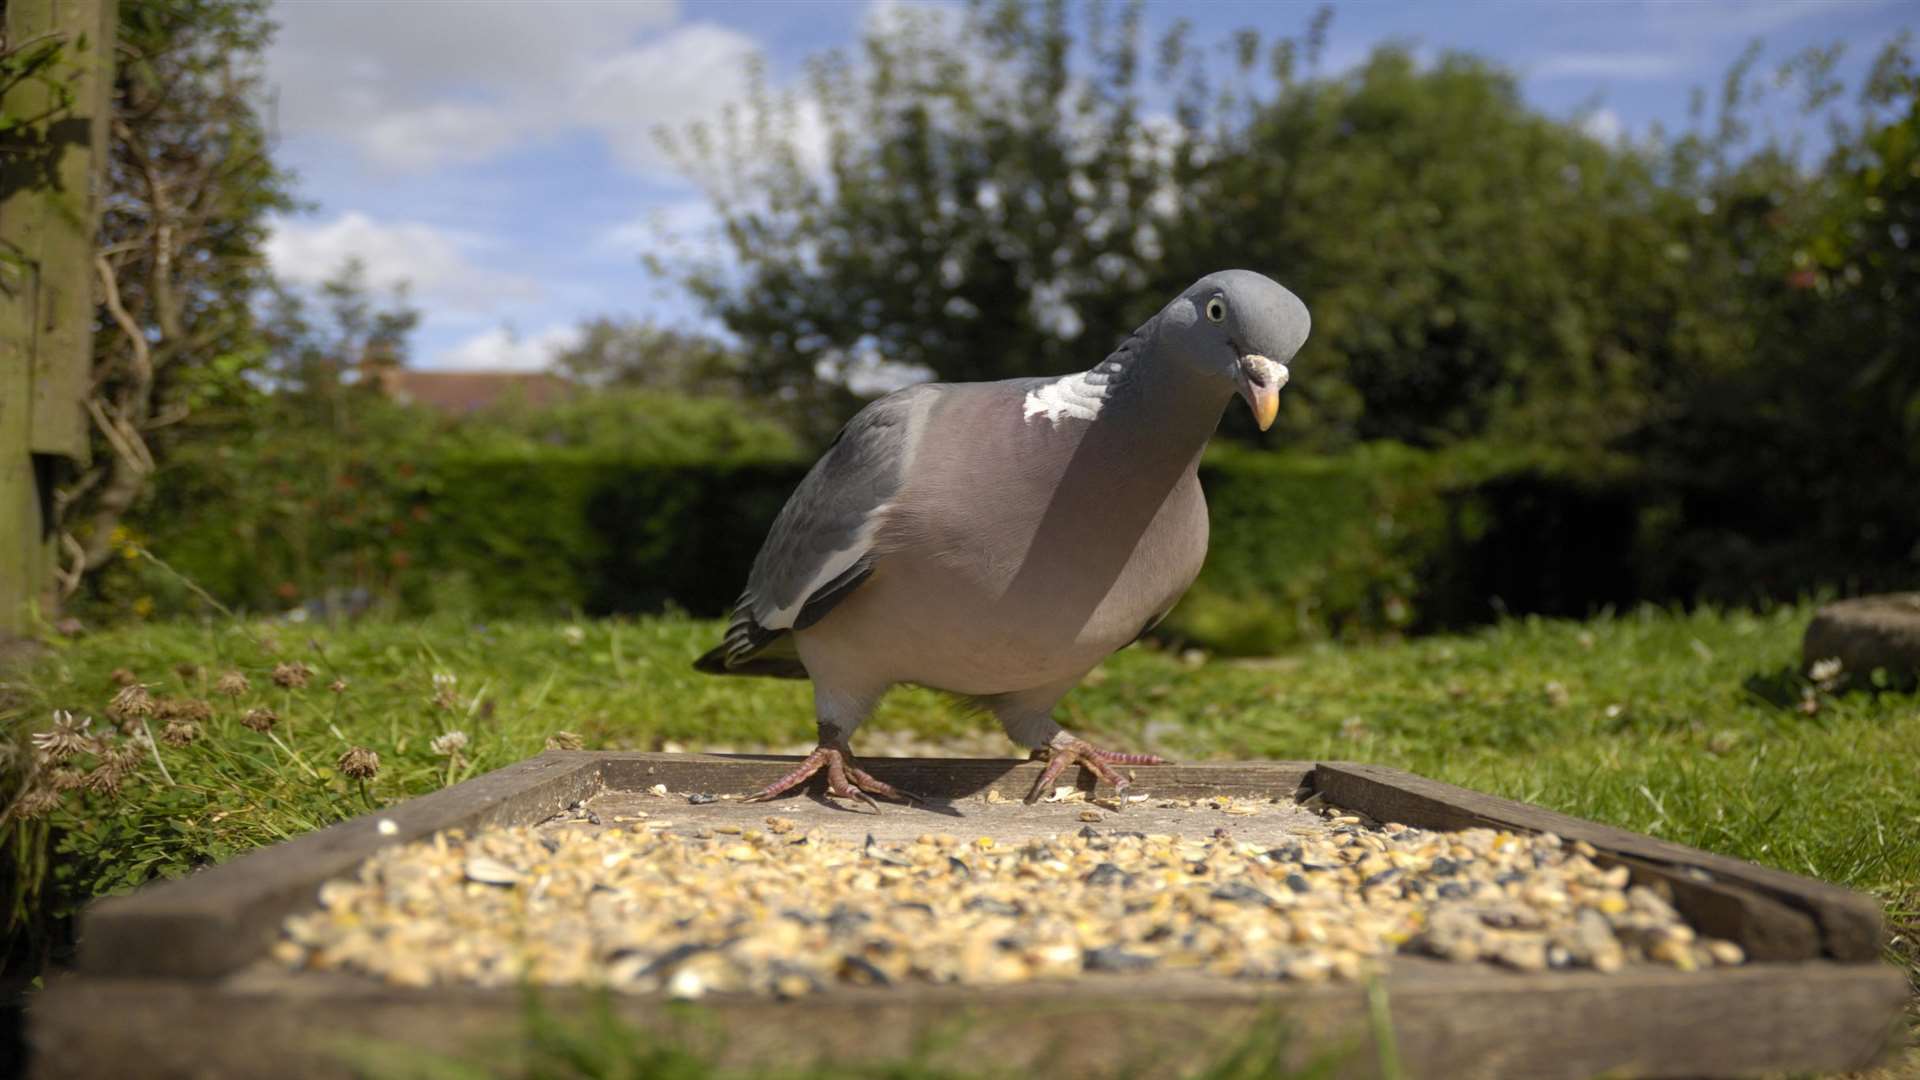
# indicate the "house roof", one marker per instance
pixel 461 392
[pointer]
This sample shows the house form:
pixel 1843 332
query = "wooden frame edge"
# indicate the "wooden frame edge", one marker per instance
pixel 1773 914
pixel 220 919
pixel 1812 1016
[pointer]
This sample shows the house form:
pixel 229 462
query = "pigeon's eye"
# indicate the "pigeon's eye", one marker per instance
pixel 1217 309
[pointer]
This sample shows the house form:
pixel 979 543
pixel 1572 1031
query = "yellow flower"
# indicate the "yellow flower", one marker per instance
pixel 143 607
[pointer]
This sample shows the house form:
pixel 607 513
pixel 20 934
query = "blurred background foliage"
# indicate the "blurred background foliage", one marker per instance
pixel 1549 371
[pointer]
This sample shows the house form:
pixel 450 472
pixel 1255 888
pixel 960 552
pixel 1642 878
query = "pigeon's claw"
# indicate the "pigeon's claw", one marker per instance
pixel 1065 749
pixel 845 780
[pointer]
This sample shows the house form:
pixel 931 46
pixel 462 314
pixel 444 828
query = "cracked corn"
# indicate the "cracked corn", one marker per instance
pixel 788 912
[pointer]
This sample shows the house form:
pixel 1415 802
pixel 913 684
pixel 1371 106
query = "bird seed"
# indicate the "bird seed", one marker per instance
pixel 784 908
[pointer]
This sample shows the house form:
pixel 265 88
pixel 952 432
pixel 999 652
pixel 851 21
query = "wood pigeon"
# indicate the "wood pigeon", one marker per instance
pixel 997 540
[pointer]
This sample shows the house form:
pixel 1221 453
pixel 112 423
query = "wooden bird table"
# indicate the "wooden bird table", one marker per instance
pixel 179 979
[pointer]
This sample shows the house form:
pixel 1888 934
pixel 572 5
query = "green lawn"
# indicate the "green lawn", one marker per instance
pixel 1690 727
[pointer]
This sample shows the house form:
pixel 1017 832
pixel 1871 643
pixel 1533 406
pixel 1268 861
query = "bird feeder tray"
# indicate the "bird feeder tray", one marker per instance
pixel 179 976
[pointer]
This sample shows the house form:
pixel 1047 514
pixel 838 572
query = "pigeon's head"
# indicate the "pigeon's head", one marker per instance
pixel 1243 327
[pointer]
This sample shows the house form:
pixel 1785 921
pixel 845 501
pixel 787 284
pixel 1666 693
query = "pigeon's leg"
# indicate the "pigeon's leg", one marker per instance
pixel 1028 719
pixel 839 715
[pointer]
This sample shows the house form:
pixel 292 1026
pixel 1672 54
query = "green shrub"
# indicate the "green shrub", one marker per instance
pixel 1300 547
pixel 405 510
pixel 279 515
pixel 562 531
pixel 1382 540
pixel 636 425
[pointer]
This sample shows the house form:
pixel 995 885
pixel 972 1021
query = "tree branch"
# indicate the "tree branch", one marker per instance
pixel 133 462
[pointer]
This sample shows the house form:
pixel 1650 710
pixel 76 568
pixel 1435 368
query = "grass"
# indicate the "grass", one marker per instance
pixel 1693 727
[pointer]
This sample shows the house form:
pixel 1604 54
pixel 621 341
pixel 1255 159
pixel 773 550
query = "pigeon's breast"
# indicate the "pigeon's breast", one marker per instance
pixel 1021 554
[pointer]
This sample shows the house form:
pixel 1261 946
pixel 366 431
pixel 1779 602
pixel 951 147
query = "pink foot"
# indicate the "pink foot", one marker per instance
pixel 1065 749
pixel 845 780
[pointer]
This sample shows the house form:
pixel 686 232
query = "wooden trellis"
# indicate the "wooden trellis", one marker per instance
pixel 51 159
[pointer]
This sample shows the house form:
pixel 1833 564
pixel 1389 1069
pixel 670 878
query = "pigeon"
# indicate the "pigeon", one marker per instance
pixel 998 540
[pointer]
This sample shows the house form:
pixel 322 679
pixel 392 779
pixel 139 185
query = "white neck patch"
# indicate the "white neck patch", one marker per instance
pixel 1075 397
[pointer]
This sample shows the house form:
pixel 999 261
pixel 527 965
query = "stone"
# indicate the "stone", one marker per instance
pixel 1865 633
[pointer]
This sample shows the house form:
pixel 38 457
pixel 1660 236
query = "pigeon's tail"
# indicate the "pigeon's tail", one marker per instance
pixel 714 662
pixel 769 660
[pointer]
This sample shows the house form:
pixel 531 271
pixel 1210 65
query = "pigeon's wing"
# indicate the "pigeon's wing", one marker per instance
pixel 821 546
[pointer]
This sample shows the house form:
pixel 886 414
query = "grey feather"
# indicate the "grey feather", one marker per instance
pixel 830 515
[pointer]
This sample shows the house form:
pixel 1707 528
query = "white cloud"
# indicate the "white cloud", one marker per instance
pixel 1688 35
pixel 430 89
pixel 684 226
pixel 1738 19
pixel 683 76
pixel 925 16
pixel 1603 125
pixel 501 349
pixel 340 66
pixel 449 133
pixel 436 264
pixel 1620 64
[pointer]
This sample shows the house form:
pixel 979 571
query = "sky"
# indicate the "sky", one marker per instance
pixel 499 155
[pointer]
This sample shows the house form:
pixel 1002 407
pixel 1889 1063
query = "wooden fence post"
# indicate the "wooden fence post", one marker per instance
pixel 51 172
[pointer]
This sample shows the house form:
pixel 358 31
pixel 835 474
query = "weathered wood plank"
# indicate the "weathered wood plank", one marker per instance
pixel 49 213
pixel 77 143
pixel 25 574
pixel 1774 915
pixel 1462 1023
pixel 224 918
pixel 948 778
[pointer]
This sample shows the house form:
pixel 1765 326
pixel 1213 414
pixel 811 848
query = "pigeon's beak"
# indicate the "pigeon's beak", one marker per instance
pixel 1260 380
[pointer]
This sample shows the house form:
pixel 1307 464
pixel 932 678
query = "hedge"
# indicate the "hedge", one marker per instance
pixel 1382 540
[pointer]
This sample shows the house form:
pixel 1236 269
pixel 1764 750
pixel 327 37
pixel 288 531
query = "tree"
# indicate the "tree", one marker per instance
pixel 189 186
pixel 299 482
pixel 635 354
pixel 314 358
pixel 1794 449
pixel 977 208
pixel 1867 251
pixel 1473 267
pixel 1470 263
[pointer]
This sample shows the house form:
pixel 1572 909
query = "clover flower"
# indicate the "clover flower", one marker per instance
pixel 444 696
pixel 131 703
pixel 66 738
pixel 179 732
pixel 360 763
pixel 169 709
pixel 66 778
pixel 37 802
pixel 105 780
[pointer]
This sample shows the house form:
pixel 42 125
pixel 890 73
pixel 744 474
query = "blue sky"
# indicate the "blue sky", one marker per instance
pixel 497 154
